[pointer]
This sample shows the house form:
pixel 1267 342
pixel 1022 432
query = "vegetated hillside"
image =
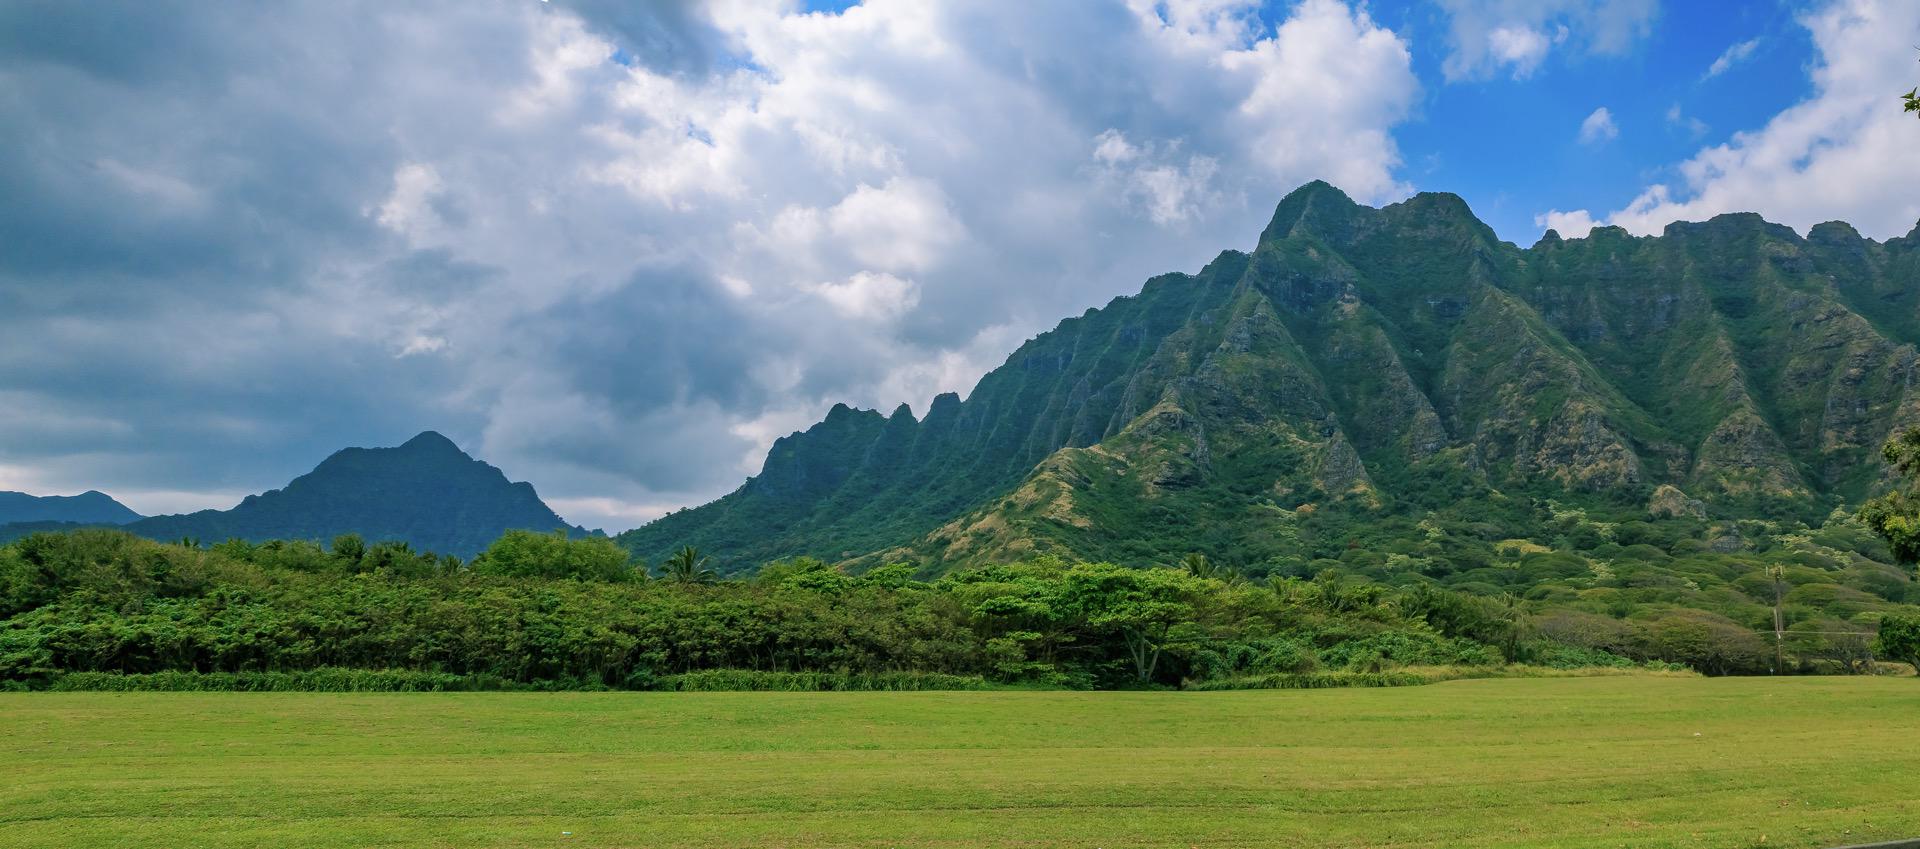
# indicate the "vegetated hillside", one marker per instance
pixel 426 492
pixel 87 508
pixel 1390 389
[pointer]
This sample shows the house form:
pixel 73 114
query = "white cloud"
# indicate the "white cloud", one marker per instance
pixel 871 296
pixel 1521 47
pixel 1167 186
pixel 409 211
pixel 1572 225
pixel 1489 37
pixel 1598 128
pixel 1839 154
pixel 1733 55
pixel 902 226
pixel 613 260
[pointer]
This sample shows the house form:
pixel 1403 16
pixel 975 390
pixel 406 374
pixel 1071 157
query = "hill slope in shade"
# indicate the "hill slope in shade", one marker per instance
pixel 1370 363
pixel 89 508
pixel 426 492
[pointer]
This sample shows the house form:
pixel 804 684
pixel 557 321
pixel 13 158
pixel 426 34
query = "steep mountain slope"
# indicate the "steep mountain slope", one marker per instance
pixel 1374 363
pixel 89 508
pixel 426 492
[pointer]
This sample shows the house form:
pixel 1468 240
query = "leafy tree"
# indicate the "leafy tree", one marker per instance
pixel 1900 638
pixel 1142 605
pixel 1896 515
pixel 348 549
pixel 805 573
pixel 687 566
pixel 526 554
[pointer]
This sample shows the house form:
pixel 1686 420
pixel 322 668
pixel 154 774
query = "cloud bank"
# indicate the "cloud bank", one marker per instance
pixel 614 248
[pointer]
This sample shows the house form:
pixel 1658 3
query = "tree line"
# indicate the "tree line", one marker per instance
pixel 543 610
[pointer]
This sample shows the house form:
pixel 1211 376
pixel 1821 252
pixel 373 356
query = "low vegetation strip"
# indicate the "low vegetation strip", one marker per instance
pixel 338 680
pixel 746 680
pixel 326 680
pixel 1417 675
pixel 1643 761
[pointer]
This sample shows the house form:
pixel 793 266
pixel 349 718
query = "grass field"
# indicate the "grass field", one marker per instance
pixel 1596 762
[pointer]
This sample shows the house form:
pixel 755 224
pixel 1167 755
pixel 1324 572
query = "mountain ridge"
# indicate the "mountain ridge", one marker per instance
pixel 90 507
pixel 425 492
pixel 1367 359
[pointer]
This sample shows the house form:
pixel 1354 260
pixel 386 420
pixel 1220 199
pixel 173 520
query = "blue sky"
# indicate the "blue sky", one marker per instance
pixel 617 247
pixel 1512 146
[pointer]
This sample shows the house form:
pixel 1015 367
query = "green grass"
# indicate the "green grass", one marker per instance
pixel 1561 762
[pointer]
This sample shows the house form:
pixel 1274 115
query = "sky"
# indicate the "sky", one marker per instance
pixel 617 248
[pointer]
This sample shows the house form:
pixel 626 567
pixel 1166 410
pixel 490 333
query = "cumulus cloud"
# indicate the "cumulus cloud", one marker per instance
pixel 1733 55
pixel 614 248
pixel 1598 128
pixel 1838 154
pixel 1490 37
pixel 1572 225
pixel 871 295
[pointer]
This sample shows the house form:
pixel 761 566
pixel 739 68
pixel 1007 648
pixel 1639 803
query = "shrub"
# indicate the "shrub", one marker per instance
pixel 525 554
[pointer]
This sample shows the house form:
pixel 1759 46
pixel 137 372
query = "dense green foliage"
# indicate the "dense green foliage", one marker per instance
pixel 1899 638
pixel 525 554
pixel 1895 516
pixel 544 611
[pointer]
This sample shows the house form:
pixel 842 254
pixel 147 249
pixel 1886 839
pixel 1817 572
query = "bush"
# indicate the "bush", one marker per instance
pixel 525 554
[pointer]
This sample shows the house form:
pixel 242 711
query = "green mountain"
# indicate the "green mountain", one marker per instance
pixel 426 492
pixel 87 508
pixel 1366 375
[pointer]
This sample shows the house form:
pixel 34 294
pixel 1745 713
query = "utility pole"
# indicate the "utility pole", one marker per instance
pixel 1778 573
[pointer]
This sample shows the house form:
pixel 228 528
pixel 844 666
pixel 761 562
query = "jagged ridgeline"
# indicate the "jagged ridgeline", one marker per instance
pixel 1375 366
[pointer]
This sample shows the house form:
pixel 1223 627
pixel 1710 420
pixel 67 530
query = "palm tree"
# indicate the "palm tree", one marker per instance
pixel 687 566
pixel 1199 566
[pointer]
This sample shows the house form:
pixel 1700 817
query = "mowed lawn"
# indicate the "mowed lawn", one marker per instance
pixel 1593 762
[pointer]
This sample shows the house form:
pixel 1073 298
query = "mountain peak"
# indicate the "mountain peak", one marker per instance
pixel 429 440
pixel 1446 202
pixel 426 492
pixel 1314 203
pixel 92 507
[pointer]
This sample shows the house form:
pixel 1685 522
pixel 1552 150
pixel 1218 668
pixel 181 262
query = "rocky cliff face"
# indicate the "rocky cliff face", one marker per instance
pixel 1375 360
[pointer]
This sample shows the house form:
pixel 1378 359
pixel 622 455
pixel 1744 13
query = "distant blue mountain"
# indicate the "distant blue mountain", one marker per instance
pixel 427 493
pixel 87 508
